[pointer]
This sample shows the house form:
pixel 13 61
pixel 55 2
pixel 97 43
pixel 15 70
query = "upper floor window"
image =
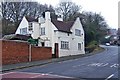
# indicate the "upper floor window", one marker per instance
pixel 43 31
pixel 64 45
pixel 77 32
pixel 23 31
pixel 30 27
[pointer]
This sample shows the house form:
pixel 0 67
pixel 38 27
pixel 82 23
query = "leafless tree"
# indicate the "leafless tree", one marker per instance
pixel 67 9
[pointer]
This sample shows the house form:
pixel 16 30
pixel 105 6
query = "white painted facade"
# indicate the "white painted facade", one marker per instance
pixel 25 24
pixel 53 35
pixel 72 39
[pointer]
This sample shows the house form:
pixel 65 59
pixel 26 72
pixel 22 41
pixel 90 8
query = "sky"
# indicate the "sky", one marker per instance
pixel 107 8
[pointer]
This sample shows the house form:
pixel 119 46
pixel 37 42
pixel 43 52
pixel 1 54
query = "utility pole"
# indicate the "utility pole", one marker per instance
pixel 30 55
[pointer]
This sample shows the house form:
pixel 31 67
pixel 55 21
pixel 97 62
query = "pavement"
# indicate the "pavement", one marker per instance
pixel 33 76
pixel 6 68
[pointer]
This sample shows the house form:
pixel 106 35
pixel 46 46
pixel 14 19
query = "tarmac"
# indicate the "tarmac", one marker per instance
pixel 6 68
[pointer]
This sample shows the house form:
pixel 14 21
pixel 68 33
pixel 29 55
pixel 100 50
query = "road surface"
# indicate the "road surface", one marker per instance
pixel 103 66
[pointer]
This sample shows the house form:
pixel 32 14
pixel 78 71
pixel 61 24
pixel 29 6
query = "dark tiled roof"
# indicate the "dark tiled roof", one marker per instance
pixel 17 37
pixel 31 19
pixel 63 26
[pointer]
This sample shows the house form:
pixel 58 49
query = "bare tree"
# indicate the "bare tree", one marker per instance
pixel 67 9
pixel 13 12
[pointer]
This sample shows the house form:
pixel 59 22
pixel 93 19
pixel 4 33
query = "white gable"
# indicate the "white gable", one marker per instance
pixel 23 24
pixel 77 25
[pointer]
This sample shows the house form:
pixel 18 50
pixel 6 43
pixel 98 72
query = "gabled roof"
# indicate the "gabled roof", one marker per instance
pixel 31 19
pixel 63 26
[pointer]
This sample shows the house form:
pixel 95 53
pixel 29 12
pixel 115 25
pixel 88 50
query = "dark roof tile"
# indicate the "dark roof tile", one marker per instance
pixel 63 26
pixel 31 19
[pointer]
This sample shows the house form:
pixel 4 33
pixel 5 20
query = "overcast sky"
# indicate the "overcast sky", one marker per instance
pixel 107 8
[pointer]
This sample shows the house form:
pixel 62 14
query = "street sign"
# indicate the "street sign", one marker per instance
pixel 33 41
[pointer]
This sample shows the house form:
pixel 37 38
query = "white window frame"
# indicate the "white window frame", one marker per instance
pixel 42 32
pixel 23 31
pixel 77 32
pixel 64 45
pixel 30 26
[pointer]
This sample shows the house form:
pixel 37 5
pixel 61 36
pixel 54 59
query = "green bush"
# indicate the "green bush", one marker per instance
pixel 93 43
pixel 91 46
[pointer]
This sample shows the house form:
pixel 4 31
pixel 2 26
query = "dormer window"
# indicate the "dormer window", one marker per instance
pixel 77 32
pixel 30 27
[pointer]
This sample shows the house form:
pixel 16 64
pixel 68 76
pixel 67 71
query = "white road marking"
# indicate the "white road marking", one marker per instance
pixel 109 77
pixel 115 65
pixel 60 76
pixel 50 75
pixel 105 64
pixel 77 65
pixel 96 64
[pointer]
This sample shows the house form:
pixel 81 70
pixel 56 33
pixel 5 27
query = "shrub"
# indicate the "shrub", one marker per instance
pixel 91 46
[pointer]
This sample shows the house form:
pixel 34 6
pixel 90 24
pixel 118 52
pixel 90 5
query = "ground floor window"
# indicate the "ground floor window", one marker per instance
pixel 79 46
pixel 64 45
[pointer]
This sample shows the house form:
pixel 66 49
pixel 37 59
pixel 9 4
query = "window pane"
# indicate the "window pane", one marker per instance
pixel 30 27
pixel 64 45
pixel 23 30
pixel 43 31
pixel 77 32
pixel 79 46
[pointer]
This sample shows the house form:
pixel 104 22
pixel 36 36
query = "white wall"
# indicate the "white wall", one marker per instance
pixel 35 33
pixel 61 36
pixel 78 39
pixel 72 39
pixel 23 24
pixel 49 33
pixel 36 30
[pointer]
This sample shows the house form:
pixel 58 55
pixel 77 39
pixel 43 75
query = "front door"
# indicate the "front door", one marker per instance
pixel 56 50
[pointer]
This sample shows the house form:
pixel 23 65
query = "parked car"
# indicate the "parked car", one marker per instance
pixel 107 44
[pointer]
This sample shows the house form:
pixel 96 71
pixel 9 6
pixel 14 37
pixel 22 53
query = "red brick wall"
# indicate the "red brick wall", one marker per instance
pixel 41 53
pixel 16 52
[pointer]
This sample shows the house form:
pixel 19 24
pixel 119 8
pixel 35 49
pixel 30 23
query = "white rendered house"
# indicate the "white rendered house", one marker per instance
pixel 65 38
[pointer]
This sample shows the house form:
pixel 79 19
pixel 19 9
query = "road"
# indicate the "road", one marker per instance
pixel 102 66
